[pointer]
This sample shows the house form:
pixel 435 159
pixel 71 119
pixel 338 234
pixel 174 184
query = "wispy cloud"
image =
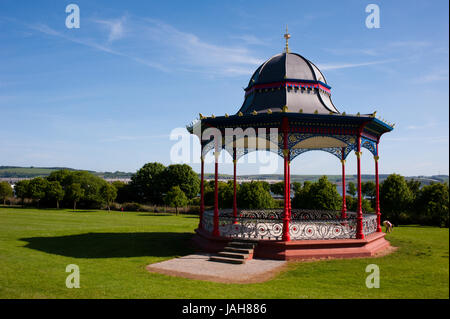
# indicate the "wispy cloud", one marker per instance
pixel 422 126
pixel 335 66
pixel 188 52
pixel 353 51
pixel 385 49
pixel 425 139
pixel 409 44
pixel 191 51
pixel 250 39
pixel 439 75
pixel 121 138
pixel 115 27
pixel 43 28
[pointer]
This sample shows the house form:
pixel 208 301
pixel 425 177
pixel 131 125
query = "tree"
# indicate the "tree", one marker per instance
pixel 254 195
pixel 181 175
pixel 319 195
pixel 225 194
pixel 296 186
pixel 433 204
pixel 395 197
pixel 75 193
pixel 277 188
pixel 147 183
pixel 265 185
pixel 37 189
pixel 22 189
pixel 109 194
pixel 175 197
pixel 124 192
pixel 351 189
pixel 414 186
pixel 55 192
pixel 63 176
pixel 352 204
pixel 209 192
pixel 368 189
pixel 6 191
pixel 90 184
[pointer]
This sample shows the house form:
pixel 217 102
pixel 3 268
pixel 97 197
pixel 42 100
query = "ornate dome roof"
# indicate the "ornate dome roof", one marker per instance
pixel 288 79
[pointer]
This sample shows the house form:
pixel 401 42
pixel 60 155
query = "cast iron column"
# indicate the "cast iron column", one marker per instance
pixel 289 185
pixel 234 187
pixel 202 193
pixel 287 193
pixel 344 204
pixel 377 189
pixel 359 215
pixel 216 195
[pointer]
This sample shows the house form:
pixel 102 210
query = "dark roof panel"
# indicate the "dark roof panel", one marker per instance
pixel 281 81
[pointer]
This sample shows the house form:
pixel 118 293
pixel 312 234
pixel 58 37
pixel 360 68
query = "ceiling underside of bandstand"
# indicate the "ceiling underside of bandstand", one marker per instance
pixel 340 146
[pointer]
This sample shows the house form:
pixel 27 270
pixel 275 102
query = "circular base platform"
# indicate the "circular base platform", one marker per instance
pixel 373 244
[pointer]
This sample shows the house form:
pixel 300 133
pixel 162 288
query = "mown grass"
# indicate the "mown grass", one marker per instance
pixel 112 250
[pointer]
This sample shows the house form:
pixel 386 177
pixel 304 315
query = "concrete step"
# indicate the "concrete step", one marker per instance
pixel 233 255
pixel 238 244
pixel 239 240
pixel 238 250
pixel 227 260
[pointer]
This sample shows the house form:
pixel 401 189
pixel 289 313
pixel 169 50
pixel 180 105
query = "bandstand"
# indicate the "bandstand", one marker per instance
pixel 289 100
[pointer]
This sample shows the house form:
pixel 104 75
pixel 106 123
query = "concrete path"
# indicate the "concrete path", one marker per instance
pixel 197 266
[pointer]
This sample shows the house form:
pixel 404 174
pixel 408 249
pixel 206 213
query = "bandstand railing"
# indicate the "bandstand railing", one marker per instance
pixel 304 224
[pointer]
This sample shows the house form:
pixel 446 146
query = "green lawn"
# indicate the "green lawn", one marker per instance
pixel 112 250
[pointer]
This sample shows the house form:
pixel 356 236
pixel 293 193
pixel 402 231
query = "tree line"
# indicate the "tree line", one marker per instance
pixel 401 201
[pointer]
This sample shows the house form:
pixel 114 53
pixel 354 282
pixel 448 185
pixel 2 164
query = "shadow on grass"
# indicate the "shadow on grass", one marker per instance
pixel 113 245
pixel 191 216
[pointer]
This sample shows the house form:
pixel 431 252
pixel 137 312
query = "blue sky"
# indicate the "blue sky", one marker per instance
pixel 107 95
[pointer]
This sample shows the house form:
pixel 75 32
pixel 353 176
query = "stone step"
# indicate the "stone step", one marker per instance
pixel 227 260
pixel 233 255
pixel 239 240
pixel 238 244
pixel 238 250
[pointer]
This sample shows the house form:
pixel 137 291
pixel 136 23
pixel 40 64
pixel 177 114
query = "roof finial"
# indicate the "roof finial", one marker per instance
pixel 287 36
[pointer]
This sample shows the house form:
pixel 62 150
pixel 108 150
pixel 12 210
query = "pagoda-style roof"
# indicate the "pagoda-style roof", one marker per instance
pixel 288 79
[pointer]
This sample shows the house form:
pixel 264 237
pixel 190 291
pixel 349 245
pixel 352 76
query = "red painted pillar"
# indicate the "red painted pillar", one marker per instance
pixel 344 203
pixel 287 193
pixel 377 189
pixel 202 193
pixel 359 215
pixel 216 195
pixel 289 185
pixel 234 187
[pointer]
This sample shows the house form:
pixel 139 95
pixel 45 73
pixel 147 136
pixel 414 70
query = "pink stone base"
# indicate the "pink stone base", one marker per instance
pixel 207 242
pixel 302 249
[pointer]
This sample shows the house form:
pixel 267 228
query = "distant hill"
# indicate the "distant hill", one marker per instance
pixel 31 172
